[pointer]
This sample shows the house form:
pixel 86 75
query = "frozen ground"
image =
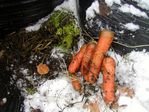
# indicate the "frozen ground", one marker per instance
pixel 131 71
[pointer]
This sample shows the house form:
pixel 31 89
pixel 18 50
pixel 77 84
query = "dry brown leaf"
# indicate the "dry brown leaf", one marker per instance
pixel 126 90
pixel 42 69
pixel 93 107
pixel 115 105
pixel 36 110
pixel 123 90
pixel 104 9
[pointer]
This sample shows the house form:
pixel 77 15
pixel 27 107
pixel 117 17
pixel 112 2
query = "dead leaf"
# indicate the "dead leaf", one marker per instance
pixel 36 110
pixel 123 90
pixel 104 9
pixel 115 105
pixel 126 91
pixel 42 69
pixel 93 107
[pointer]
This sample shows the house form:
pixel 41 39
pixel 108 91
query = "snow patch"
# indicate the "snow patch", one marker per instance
pixel 53 96
pixel 132 26
pixel 143 3
pixel 132 71
pixel 126 8
pixel 111 2
pixel 92 10
pixel 24 71
pixel 37 25
pixel 4 100
pixel 132 105
pixel 70 5
pixel 124 100
pixel 56 53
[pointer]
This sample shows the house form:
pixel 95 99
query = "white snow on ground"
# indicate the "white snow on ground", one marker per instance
pixel 131 71
pixel 131 26
pixel 143 3
pixel 53 96
pixel 133 105
pixel 111 2
pixel 37 25
pixel 4 100
pixel 56 53
pixel 70 5
pixel 92 10
pixel 126 8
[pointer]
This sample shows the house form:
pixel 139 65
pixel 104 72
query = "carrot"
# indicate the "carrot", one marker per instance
pixel 108 70
pixel 76 83
pixel 76 60
pixel 103 44
pixel 42 69
pixel 86 59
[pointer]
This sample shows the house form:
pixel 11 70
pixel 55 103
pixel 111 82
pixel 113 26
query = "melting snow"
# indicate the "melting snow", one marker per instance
pixel 131 70
pixel 111 2
pixel 126 8
pixel 70 5
pixel 143 3
pixel 54 96
pixel 37 25
pixel 92 10
pixel 132 26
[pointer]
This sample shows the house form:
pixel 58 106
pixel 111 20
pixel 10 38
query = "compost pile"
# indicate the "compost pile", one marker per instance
pixel 31 58
pixel 59 65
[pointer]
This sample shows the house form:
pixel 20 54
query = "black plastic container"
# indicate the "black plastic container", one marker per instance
pixel 15 14
pixel 114 22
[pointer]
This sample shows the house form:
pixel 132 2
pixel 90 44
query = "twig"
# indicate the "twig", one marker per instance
pixel 57 99
pixel 130 46
pixel 88 35
pixel 43 58
pixel 71 104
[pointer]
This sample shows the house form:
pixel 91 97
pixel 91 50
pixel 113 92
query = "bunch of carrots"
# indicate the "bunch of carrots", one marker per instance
pixel 90 60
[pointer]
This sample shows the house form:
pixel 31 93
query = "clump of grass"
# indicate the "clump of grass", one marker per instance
pixel 31 90
pixel 60 30
pixel 62 25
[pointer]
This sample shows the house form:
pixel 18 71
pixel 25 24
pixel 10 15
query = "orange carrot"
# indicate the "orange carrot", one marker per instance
pixel 76 83
pixel 86 59
pixel 103 44
pixel 42 69
pixel 108 70
pixel 76 60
